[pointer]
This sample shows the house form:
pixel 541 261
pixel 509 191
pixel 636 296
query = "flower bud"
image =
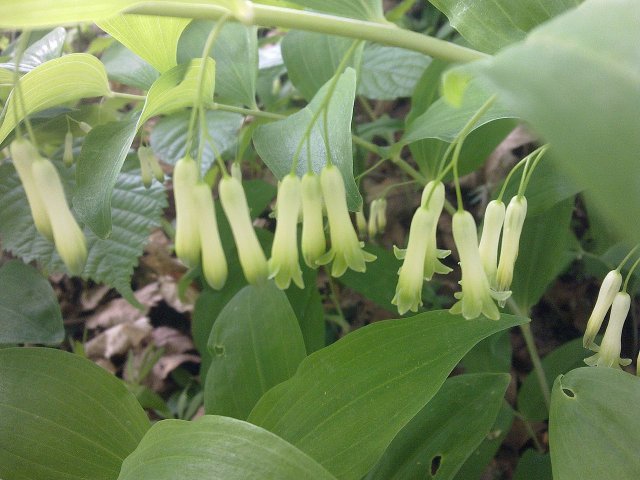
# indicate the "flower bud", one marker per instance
pixel 313 241
pixel 67 235
pixel 346 251
pixel 608 291
pixel 283 264
pixel 145 169
pixel 149 166
pixel 214 262
pixel 67 154
pixel 234 203
pixel 433 201
pixel 85 127
pixel 608 354
pixel 24 154
pixel 476 295
pixel 514 220
pixel 187 241
pixel 377 217
pixel 381 215
pixel 361 223
pixel 493 221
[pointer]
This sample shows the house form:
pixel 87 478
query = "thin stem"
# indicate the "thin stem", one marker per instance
pixel 129 96
pixel 336 302
pixel 456 176
pixel 372 147
pixel 267 15
pixel 367 108
pixel 540 153
pixel 624 260
pixel 386 191
pixel 409 170
pixel 527 425
pixel 516 167
pixel 371 169
pixel 626 280
pixel 245 111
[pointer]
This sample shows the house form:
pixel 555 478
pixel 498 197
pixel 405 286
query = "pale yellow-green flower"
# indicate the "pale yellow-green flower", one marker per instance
pixel 67 154
pixel 346 250
pixel 377 217
pixel 234 203
pixel 608 355
pixel 214 262
pixel 283 264
pixel 187 241
pixel 313 242
pixel 608 291
pixel 433 200
pixel 513 222
pixel 361 223
pixel 490 238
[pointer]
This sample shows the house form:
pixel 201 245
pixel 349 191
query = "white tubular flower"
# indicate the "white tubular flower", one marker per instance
pixel 187 242
pixel 346 251
pixel 283 264
pixel 432 263
pixel 372 226
pixel 361 223
pixel 67 235
pixel 608 291
pixel 314 244
pixel 214 262
pixel 67 154
pixel 24 154
pixel 609 353
pixel 513 222
pixel 411 275
pixel 381 215
pixel 476 296
pixel 493 221
pixel 234 203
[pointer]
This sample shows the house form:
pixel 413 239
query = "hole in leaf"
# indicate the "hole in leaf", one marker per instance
pixel 568 392
pixel 218 350
pixel 435 464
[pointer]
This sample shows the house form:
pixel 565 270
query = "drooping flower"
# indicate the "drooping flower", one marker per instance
pixel 283 264
pixel 67 235
pixel 490 238
pixel 346 250
pixel 608 291
pixel 149 166
pixel 433 200
pixel 513 222
pixel 608 355
pixel 476 297
pixel 234 203
pixel 313 241
pixel 187 242
pixel 214 262
pixel 375 214
pixel 361 223
pixel 67 154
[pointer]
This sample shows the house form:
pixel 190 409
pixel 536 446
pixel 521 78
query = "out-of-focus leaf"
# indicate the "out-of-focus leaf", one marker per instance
pixel 492 354
pixel 533 464
pixel 126 67
pixel 46 48
pixel 361 9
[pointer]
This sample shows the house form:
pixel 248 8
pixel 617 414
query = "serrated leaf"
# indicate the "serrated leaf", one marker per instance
pixel 126 67
pixel 347 401
pixel 29 309
pixel 389 72
pixel 152 38
pixel 55 82
pixel 62 417
pixel 277 142
pixel 492 24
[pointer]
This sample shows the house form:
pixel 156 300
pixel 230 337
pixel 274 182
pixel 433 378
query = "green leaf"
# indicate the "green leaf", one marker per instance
pixel 126 67
pixel 152 38
pixel 307 305
pixel 549 81
pixel 236 56
pixel 29 310
pixel 389 72
pixel 360 9
pixel 312 59
pixel 490 25
pixel 386 371
pixel 276 142
pixel 255 343
pixel 561 360
pixel 440 438
pixel 493 354
pixel 542 254
pixel 42 50
pixel 56 82
pixel 111 261
pixel 63 417
pixel 594 427
pixel 216 447
pixel 533 464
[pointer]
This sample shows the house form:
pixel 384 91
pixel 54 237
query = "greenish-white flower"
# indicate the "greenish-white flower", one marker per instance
pixel 608 355
pixel 214 262
pixel 283 264
pixel 377 217
pixel 67 154
pixel 490 238
pixel 234 203
pixel 346 250
pixel 433 200
pixel 187 241
pixel 361 223
pixel 314 243
pixel 67 235
pixel 608 291
pixel 476 297
pixel 513 222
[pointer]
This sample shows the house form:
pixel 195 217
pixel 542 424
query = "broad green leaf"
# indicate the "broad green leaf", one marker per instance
pixel 42 50
pixel 126 67
pixel 255 343
pixel 360 9
pixel 594 427
pixel 532 465
pixel 493 354
pixel 63 417
pixel 277 142
pixel 29 310
pixel 215 448
pixel 561 360
pixel 389 72
pixel 307 305
pixel 169 136
pixel 152 38
pixel 312 59
pixel 440 438
pixel 492 24
pixel 111 261
pixel 347 401
pixel 550 80
pixel 236 56
pixel 542 255
pixel 53 83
